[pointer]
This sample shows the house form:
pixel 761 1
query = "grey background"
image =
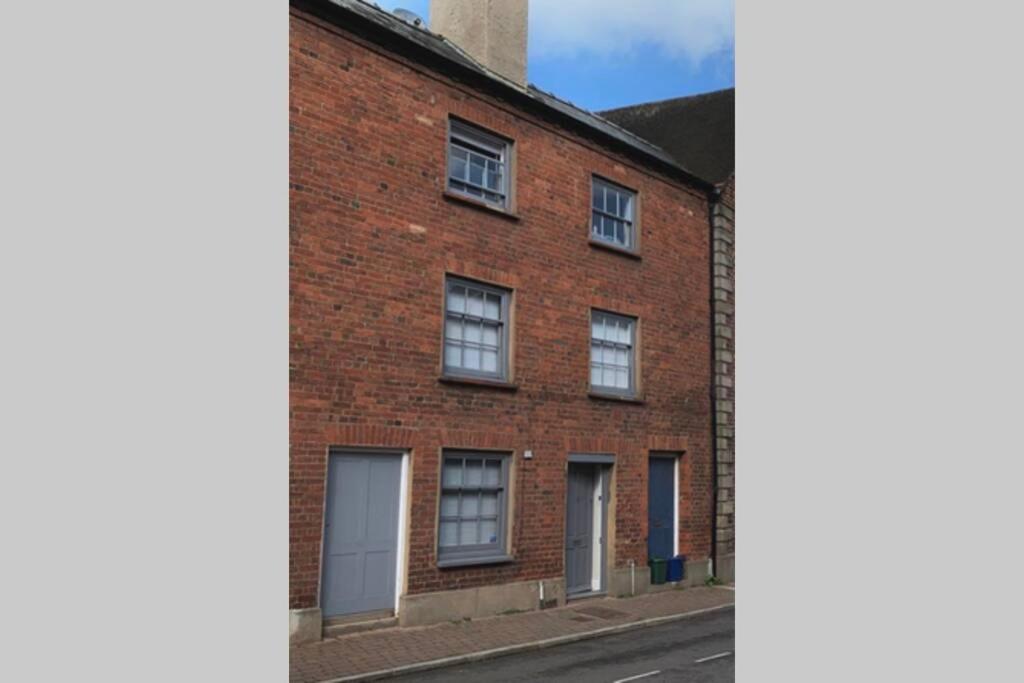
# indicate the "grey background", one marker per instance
pixel 143 289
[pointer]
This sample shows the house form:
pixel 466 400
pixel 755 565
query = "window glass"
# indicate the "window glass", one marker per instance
pixel 475 332
pixel 612 214
pixel 611 352
pixel 472 508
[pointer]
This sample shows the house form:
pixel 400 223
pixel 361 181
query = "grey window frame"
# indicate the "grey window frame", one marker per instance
pixel 631 222
pixel 502 374
pixel 483 553
pixel 468 137
pixel 630 391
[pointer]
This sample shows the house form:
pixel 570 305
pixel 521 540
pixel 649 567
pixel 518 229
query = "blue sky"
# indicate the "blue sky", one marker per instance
pixel 601 54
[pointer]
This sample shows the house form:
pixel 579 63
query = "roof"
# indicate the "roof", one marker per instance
pixel 433 50
pixel 698 131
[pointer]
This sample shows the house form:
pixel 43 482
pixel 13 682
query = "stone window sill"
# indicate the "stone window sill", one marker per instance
pixel 622 251
pixel 477 204
pixel 470 561
pixel 601 396
pixel 478 382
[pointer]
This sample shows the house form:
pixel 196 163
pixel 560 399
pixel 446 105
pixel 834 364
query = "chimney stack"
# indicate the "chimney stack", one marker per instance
pixel 493 32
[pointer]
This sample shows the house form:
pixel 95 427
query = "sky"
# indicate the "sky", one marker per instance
pixel 601 54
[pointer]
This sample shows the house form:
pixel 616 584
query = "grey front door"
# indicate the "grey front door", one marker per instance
pixel 360 533
pixel 579 528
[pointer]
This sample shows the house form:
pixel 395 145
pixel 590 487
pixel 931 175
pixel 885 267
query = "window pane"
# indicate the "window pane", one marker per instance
pixel 608 377
pixel 595 353
pixel 488 531
pixel 621 379
pixel 468 532
pixel 452 355
pixel 621 358
pixel 471 358
pixel 494 176
pixel 474 473
pixel 489 361
pixel 448 534
pixel 620 233
pixel 595 375
pixel 472 332
pixel 476 169
pixel 476 302
pixel 609 227
pixel 449 505
pixel 492 307
pixel 452 475
pixel 458 169
pixel 489 504
pixel 611 204
pixel 492 474
pixel 490 334
pixel 596 324
pixel 457 299
pixel 626 206
pixel 453 328
pixel 624 332
pixel 470 506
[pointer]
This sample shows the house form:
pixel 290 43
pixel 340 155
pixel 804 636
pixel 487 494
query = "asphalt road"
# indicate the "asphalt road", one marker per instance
pixel 672 650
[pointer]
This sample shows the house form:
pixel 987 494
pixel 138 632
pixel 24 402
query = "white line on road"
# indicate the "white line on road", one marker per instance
pixel 633 678
pixel 708 659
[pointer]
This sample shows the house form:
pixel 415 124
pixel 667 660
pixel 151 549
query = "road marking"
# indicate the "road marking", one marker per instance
pixel 633 678
pixel 708 659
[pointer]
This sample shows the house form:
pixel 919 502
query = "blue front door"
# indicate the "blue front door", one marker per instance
pixel 660 507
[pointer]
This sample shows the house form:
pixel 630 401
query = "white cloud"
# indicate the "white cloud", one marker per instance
pixel 693 29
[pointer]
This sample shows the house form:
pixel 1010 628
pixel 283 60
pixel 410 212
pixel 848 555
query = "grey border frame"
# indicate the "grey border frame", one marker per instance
pixel 633 248
pixel 632 391
pixel 487 555
pixel 504 368
pixel 491 138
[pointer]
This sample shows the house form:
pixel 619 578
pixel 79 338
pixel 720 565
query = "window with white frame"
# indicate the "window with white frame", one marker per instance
pixel 473 515
pixel 612 353
pixel 475 330
pixel 612 212
pixel 478 164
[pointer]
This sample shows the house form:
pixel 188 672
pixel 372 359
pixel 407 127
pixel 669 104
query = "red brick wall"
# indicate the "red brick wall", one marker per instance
pixel 371 238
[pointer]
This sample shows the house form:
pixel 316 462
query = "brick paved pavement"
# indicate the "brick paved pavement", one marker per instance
pixel 379 650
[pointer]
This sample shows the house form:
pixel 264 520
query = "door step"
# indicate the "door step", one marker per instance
pixel 335 627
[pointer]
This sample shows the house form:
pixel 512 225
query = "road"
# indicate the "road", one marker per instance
pixel 678 651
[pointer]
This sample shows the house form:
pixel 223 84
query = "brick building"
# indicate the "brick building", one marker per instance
pixel 502 330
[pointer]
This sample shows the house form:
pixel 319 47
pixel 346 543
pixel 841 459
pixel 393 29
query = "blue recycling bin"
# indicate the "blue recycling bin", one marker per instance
pixel 674 571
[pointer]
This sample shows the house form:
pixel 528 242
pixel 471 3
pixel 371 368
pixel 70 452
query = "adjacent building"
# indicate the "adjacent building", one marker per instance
pixel 502 380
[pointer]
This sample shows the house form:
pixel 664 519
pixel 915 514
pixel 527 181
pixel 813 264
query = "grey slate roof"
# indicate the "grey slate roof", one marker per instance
pixel 395 34
pixel 699 131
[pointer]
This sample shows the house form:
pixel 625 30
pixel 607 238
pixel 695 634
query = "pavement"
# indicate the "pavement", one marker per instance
pixel 404 651
pixel 698 649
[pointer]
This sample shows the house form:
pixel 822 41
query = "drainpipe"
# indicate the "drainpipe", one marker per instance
pixel 714 196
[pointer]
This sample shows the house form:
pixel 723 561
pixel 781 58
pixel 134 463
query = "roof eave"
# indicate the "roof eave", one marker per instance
pixel 394 42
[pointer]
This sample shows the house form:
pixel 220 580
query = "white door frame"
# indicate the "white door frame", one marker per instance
pixel 404 500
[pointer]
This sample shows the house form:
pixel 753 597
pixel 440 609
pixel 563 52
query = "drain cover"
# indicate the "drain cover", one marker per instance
pixel 600 612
